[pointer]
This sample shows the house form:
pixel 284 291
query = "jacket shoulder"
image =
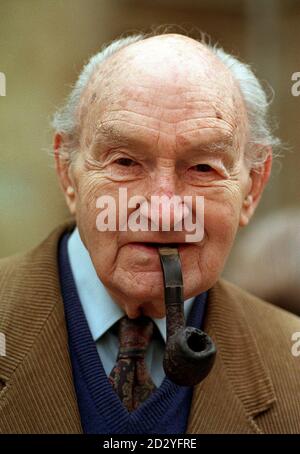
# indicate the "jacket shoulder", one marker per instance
pixel 260 313
pixel 20 274
pixel 14 272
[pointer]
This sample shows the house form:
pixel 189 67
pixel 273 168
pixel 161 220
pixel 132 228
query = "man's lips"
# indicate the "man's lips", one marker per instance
pixel 152 247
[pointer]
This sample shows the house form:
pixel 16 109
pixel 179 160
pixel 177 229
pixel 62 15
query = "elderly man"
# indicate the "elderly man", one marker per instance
pixel 158 116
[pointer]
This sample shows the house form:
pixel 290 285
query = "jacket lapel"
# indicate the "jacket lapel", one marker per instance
pixel 38 395
pixel 239 387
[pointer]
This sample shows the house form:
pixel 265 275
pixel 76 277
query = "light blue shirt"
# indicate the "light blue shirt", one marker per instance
pixel 102 312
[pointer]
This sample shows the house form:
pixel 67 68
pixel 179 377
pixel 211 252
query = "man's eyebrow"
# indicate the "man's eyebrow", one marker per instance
pixel 223 145
pixel 220 146
pixel 111 133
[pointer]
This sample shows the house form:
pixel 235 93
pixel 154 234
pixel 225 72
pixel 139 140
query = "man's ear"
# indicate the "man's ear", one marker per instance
pixel 257 180
pixel 62 165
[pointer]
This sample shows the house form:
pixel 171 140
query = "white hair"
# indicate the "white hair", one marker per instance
pixel 255 98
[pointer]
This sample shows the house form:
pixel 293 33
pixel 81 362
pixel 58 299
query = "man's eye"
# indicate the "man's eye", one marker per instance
pixel 203 168
pixel 125 162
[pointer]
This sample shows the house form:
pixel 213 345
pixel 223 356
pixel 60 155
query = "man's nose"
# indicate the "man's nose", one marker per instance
pixel 165 208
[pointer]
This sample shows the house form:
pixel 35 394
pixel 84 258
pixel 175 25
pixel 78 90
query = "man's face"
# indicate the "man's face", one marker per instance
pixel 160 129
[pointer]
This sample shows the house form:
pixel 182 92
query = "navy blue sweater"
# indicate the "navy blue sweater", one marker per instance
pixel 101 411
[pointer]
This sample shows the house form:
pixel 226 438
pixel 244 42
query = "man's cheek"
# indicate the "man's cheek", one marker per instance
pixel 221 219
pixel 87 207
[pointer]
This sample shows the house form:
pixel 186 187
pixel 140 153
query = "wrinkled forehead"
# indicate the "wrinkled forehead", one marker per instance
pixel 167 72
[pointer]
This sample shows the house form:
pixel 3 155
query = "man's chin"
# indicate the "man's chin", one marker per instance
pixel 137 302
pixel 145 297
pixel 147 309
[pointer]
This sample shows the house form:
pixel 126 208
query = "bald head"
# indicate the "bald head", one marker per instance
pixel 167 59
pixel 174 69
pixel 168 56
pixel 173 59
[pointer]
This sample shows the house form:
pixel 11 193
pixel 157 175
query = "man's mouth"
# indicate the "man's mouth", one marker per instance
pixel 152 247
pixel 159 245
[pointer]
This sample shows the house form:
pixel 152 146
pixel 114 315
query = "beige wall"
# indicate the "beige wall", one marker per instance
pixel 43 44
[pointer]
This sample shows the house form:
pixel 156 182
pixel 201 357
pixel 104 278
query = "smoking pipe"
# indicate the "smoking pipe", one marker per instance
pixel 189 353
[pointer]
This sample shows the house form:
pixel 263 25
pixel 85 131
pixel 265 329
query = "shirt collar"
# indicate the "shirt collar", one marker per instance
pixel 99 308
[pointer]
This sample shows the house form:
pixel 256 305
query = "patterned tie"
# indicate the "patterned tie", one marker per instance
pixel 129 377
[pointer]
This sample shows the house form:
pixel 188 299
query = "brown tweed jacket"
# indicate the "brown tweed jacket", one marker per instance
pixel 254 386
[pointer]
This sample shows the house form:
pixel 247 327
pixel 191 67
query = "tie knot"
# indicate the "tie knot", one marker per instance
pixel 134 336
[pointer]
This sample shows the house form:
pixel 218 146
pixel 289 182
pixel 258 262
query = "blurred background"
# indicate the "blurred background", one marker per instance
pixel 43 45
